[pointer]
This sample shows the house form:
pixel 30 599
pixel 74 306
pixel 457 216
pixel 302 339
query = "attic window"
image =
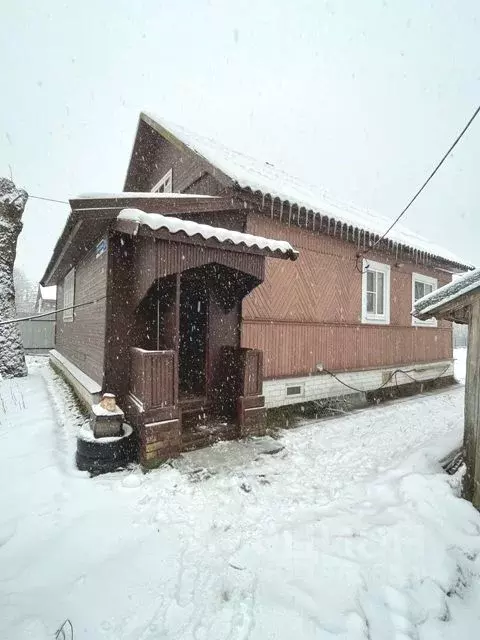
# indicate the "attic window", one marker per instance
pixel 68 295
pixel 164 185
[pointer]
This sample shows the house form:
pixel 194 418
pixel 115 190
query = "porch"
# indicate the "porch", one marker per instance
pixel 188 422
pixel 187 381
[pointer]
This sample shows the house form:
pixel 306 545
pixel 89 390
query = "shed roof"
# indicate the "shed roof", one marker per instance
pixel 266 179
pixel 447 300
pixel 156 221
pixel 48 293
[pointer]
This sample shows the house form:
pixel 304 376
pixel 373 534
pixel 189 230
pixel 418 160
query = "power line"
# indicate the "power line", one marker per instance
pixel 49 199
pixel 457 140
pixel 51 313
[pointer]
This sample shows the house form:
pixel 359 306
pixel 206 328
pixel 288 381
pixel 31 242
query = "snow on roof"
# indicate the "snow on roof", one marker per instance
pixel 48 293
pixel 268 179
pixel 174 225
pixel 448 293
pixel 136 194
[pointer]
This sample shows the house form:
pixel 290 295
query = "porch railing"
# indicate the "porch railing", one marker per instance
pixel 152 378
pixel 243 371
pixel 251 368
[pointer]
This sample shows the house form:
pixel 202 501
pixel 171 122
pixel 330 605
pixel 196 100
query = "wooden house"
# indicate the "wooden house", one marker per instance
pixel 189 317
pixel 459 302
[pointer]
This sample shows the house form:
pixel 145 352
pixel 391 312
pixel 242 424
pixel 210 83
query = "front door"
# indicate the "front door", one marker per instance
pixel 193 338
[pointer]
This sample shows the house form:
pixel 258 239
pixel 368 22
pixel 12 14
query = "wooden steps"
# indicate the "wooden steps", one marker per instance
pixel 204 435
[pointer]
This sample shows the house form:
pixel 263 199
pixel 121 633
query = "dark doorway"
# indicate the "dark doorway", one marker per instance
pixel 193 336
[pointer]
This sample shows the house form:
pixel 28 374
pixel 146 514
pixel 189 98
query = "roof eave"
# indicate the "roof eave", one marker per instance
pixel 258 198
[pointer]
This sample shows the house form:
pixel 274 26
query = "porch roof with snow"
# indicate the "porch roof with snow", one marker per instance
pixel 130 221
pixel 452 301
pixel 263 179
pixel 92 215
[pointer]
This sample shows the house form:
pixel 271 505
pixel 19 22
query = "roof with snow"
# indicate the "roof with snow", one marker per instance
pixel 450 301
pixel 48 293
pixel 267 180
pixel 191 229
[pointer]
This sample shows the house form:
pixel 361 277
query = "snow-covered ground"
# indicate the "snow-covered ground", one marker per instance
pixel 351 531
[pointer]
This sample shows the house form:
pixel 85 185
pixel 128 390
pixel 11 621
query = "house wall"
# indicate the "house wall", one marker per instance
pixel 309 311
pixel 82 341
pixel 156 156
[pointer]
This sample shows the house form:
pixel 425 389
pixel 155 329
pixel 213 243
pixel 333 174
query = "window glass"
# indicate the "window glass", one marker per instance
pixel 370 302
pixel 380 293
pixel 164 185
pixel 371 281
pixel 418 290
pixel 422 286
pixel 376 293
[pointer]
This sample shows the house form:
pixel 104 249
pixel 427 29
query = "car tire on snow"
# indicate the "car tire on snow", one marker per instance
pixel 102 455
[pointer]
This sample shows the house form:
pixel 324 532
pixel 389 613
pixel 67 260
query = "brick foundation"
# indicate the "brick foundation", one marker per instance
pixel 159 441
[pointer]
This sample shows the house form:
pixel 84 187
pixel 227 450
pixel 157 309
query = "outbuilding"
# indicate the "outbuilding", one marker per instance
pixel 459 302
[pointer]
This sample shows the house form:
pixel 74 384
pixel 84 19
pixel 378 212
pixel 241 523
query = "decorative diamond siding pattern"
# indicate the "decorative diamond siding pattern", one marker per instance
pixel 309 311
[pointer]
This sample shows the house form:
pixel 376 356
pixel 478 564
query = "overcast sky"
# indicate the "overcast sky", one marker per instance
pixel 362 98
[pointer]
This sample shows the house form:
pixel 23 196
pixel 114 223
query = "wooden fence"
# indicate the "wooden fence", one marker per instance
pixel 38 336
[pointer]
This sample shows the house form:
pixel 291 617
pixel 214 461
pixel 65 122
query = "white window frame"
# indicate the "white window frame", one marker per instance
pixel 69 295
pixel 166 181
pixel 419 277
pixel 376 318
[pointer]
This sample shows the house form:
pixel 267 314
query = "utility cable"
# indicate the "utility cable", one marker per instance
pixel 412 200
pixel 389 379
pixel 49 199
pixel 50 313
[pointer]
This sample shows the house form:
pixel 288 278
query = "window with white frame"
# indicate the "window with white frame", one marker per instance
pixel 422 286
pixel 164 185
pixel 68 295
pixel 375 292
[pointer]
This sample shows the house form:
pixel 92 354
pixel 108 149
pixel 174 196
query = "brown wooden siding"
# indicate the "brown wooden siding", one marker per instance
pixel 83 340
pixel 152 379
pixel 309 311
pixel 156 156
pixel 206 185
pixel 161 258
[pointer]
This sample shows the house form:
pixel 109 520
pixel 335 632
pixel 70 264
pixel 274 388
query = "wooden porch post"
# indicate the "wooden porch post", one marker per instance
pixel 177 336
pixel 472 407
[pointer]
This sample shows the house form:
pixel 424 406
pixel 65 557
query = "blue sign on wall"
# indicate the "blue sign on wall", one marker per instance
pixel 101 247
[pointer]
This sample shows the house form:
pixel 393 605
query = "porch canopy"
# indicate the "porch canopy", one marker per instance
pixel 181 245
pixel 93 215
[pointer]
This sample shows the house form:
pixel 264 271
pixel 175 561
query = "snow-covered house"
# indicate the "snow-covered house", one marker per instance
pixel 186 316
pixel 46 299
